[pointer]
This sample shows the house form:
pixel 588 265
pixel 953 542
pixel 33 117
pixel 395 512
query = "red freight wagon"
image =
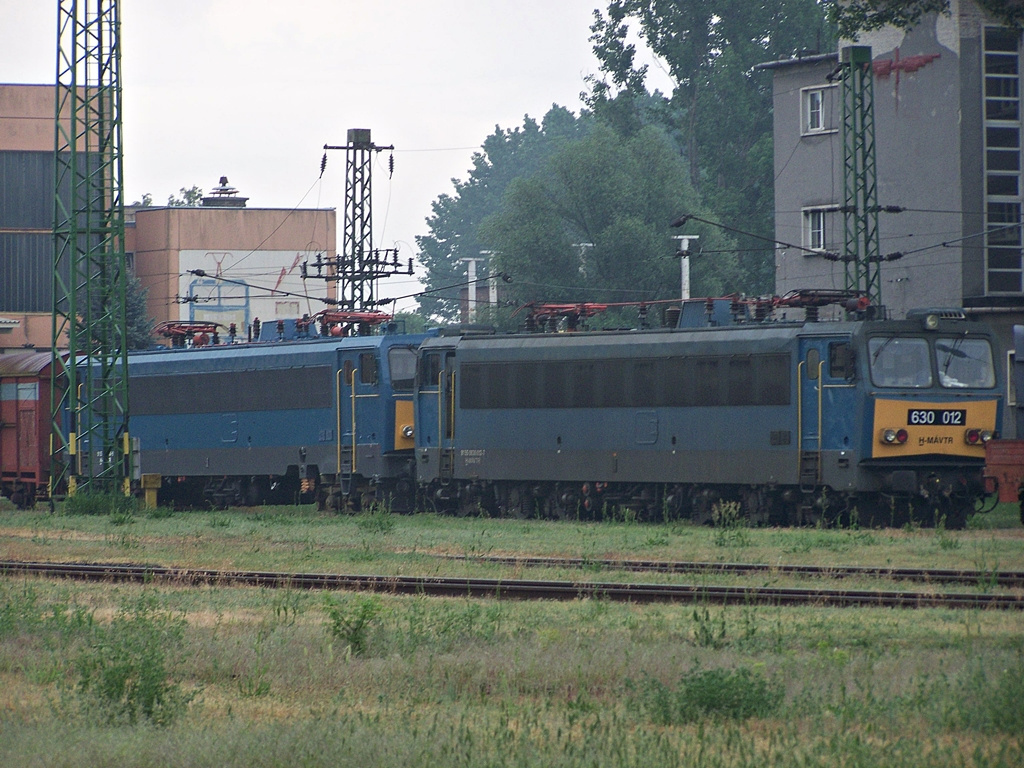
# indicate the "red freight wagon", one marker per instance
pixel 24 426
pixel 1004 463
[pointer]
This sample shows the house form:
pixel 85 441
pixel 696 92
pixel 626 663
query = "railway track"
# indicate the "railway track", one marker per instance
pixel 515 588
pixel 924 575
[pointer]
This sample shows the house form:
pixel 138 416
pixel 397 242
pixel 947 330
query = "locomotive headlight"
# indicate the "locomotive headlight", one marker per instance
pixel 986 435
pixel 408 431
pixel 931 322
pixel 973 436
pixel 894 436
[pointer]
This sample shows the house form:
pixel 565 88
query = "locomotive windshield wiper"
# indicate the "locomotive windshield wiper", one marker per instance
pixel 882 346
pixel 954 351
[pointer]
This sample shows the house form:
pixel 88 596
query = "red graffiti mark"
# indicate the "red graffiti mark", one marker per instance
pixel 286 272
pixel 885 67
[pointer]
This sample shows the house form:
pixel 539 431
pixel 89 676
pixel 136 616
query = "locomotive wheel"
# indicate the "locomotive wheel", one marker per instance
pixel 518 503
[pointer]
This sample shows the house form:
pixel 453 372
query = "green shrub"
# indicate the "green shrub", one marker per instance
pixel 710 694
pixel 350 620
pixel 125 675
pixel 120 507
pixel 988 702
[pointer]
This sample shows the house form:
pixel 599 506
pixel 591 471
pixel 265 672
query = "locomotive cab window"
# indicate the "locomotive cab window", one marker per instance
pixel 965 363
pixel 899 361
pixel 430 370
pixel 402 362
pixel 367 368
pixel 841 361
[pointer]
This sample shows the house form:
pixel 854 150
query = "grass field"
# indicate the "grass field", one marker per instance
pixel 106 674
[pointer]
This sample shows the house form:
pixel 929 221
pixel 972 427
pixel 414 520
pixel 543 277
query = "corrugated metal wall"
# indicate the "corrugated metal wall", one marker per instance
pixel 26 231
pixel 26 272
pixel 26 190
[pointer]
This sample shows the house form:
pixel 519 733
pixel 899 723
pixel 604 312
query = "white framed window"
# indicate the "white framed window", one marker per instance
pixel 816 228
pixel 817 110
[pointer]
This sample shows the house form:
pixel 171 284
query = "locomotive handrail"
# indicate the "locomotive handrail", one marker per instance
pixel 355 370
pixel 799 415
pixel 440 416
pixel 337 400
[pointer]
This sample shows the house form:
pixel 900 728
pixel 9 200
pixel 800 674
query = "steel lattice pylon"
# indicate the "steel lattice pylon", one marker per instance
pixel 860 180
pixel 359 266
pixel 89 384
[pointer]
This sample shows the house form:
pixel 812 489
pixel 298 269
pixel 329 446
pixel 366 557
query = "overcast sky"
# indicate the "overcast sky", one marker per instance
pixel 253 89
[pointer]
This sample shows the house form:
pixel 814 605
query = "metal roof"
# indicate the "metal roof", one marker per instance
pixel 24 363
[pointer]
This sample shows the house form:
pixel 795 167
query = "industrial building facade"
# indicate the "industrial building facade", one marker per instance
pixel 948 143
pixel 250 258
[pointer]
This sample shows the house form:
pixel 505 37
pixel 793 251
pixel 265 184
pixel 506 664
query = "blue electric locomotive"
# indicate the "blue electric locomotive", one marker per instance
pixel 325 418
pixel 878 421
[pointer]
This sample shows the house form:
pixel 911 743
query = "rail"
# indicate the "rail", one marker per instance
pixel 516 588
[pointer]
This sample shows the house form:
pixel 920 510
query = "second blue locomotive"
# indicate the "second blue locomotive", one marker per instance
pixel 873 421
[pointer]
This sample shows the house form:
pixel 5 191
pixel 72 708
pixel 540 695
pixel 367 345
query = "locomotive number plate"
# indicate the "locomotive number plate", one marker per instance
pixel 946 417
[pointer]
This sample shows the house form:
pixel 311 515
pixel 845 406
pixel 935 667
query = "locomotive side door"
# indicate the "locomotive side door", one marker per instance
pixel 446 417
pixel 356 392
pixel 828 409
pixel 435 417
pixel 810 368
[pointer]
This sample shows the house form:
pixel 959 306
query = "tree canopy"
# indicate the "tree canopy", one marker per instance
pixel 190 198
pixel 577 207
pixel 594 224
pixel 855 16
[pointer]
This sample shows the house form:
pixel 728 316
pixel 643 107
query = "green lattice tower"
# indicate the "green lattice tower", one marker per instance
pixel 90 448
pixel 860 180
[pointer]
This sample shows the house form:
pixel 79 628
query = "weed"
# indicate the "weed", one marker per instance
pixel 254 683
pixel 710 694
pixel 988 571
pixel 980 700
pixel 19 610
pixel 708 630
pixel 287 607
pixel 122 517
pixel 114 504
pixel 945 540
pixel 350 620
pixel 730 530
pixel 377 519
pixel 126 673
pixel 659 538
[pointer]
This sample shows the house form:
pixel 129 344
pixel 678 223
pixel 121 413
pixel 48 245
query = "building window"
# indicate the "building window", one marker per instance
pixel 817 110
pixel 816 228
pixel 1003 241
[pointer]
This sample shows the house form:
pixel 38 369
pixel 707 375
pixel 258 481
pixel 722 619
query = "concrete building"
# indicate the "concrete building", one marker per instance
pixel 250 261
pixel 948 138
pixel 251 256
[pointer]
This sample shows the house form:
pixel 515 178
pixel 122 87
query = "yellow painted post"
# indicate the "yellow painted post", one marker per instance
pixel 151 484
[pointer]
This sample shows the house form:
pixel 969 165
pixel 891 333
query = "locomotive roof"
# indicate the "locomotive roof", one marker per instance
pixel 278 354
